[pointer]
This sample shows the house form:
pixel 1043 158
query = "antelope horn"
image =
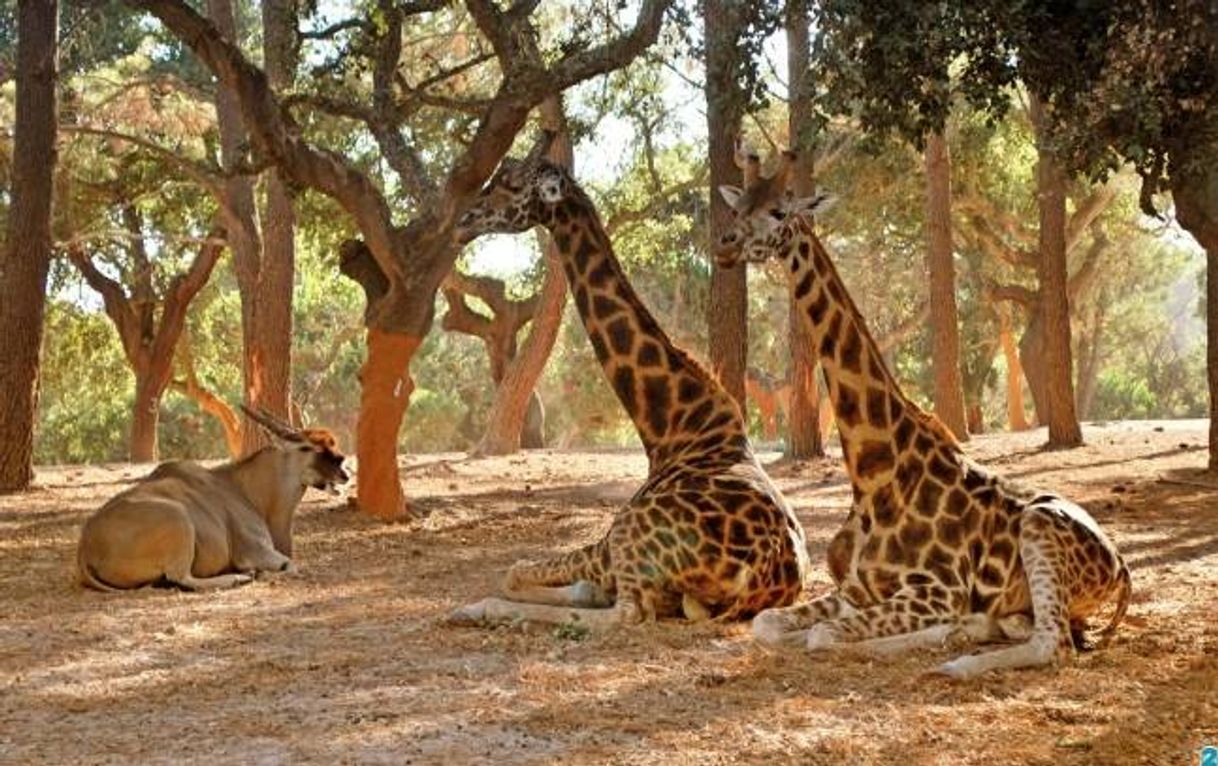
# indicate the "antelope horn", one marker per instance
pixel 271 423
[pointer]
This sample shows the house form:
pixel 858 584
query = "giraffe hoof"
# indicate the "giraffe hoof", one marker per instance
pixel 820 638
pixel 960 668
pixel 470 614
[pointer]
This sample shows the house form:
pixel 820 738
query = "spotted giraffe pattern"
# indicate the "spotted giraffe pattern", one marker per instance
pixel 707 534
pixel 933 540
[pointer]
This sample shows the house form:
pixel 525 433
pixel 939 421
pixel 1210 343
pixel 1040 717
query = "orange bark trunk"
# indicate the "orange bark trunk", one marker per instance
pixel 1015 412
pixel 385 393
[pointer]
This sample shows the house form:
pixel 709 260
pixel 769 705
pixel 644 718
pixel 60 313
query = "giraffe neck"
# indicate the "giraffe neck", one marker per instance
pixel 878 424
pixel 676 405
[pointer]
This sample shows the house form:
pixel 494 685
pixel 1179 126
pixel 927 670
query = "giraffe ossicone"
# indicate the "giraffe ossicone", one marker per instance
pixel 707 536
pixel 935 547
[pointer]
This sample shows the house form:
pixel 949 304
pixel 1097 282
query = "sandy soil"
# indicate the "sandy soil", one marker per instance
pixel 350 661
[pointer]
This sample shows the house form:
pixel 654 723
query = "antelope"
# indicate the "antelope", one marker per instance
pixel 200 528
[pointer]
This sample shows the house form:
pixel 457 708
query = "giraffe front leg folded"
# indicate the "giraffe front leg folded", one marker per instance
pixel 788 625
pixel 918 618
pixel 575 579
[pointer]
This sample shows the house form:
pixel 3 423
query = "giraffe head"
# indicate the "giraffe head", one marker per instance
pixel 518 197
pixel 764 210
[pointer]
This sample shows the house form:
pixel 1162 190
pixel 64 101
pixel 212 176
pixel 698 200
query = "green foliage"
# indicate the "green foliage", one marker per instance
pixel 86 390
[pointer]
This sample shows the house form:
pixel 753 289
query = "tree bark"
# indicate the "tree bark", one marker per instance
pixel 944 320
pixel 1016 419
pixel 244 237
pixel 145 415
pixel 727 316
pixel 803 417
pixel 384 396
pixel 27 258
pixel 277 267
pixel 516 397
pixel 1054 303
pixel 1196 199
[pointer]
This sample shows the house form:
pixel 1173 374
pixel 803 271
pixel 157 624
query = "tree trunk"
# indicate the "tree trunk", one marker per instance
pixel 27 258
pixel 944 321
pixel 384 396
pixel 727 315
pixel 1016 420
pixel 803 417
pixel 533 435
pixel 1054 304
pixel 1196 199
pixel 276 269
pixel 145 416
pixel 1090 346
pixel 515 397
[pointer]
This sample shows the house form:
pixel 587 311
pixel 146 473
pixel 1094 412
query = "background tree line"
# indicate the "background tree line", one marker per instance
pixel 262 215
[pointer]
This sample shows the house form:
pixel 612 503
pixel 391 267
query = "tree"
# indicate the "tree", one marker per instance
pixel 262 241
pixel 1135 81
pixel 724 24
pixel 27 251
pixel 149 325
pixel 944 320
pixel 516 400
pixel 803 418
pixel 408 262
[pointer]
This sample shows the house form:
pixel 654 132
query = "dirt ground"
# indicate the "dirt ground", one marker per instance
pixel 350 661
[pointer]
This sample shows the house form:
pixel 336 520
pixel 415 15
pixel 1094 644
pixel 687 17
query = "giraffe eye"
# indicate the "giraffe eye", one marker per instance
pixel 777 214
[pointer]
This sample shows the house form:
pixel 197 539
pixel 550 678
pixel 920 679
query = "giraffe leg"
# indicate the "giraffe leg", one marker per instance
pixel 571 579
pixel 788 626
pixel 903 613
pixel 1050 640
pixel 502 610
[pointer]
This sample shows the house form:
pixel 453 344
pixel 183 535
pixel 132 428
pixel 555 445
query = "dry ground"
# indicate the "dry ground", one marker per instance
pixel 350 662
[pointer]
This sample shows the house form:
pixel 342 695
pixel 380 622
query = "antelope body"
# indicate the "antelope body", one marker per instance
pixel 202 528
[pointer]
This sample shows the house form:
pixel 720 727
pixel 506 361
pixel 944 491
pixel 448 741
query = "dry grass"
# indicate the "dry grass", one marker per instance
pixel 349 662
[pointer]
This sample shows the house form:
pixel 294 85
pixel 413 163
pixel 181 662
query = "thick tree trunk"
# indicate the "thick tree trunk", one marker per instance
pixel 944 321
pixel 803 417
pixel 276 272
pixel 1016 419
pixel 145 416
pixel 27 257
pixel 727 314
pixel 1054 304
pixel 1196 200
pixel 516 400
pixel 385 394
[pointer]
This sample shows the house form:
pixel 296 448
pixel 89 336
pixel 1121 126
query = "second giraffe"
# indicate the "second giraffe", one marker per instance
pixel 936 548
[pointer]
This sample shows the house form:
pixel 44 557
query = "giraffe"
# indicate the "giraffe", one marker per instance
pixel 707 535
pixel 936 549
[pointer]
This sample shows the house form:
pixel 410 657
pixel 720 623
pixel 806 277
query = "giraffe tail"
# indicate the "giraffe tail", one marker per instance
pixel 1126 586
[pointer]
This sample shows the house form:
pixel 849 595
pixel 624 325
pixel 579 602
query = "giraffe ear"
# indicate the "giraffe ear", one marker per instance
pixel 551 185
pixel 731 195
pixel 817 205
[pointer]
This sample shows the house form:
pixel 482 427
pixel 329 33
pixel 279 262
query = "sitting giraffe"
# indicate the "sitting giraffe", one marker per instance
pixel 935 546
pixel 708 534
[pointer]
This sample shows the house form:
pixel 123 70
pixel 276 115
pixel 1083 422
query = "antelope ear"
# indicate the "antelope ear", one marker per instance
pixel 551 185
pixel 731 195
